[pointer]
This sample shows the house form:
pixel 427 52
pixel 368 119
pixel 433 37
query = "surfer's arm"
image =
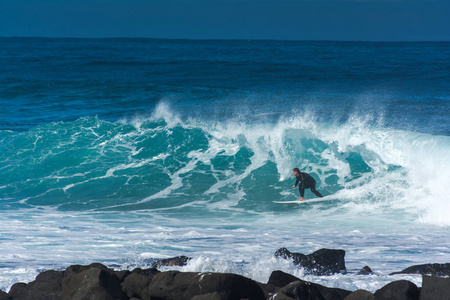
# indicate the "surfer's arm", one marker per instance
pixel 296 182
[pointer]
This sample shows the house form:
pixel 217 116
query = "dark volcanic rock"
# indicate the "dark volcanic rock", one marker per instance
pixel 122 274
pixel 146 272
pixel 277 280
pixel 435 288
pixel 427 269
pixel 268 289
pixel 281 279
pixel 361 295
pixel 184 286
pixel 18 290
pixel 281 296
pixel 365 271
pixel 333 293
pixel 75 269
pixel 137 281
pixel 50 276
pixel 211 296
pixel 4 296
pixel 47 286
pixel 97 282
pixel 308 290
pixel 93 284
pixel 286 254
pixel 320 262
pixel 398 290
pixel 134 284
pixel 174 261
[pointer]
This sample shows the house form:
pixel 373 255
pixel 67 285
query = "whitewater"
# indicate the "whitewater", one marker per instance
pixel 125 193
pixel 128 151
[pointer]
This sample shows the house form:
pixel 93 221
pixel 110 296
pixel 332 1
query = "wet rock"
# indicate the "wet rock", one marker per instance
pixel 333 293
pixel 184 286
pixel 137 281
pixel 310 291
pixel 307 291
pixel 281 296
pixel 277 280
pixel 174 261
pixel 286 254
pixel 122 274
pixel 94 284
pixel 134 284
pixel 427 269
pixel 435 288
pixel 18 290
pixel 211 296
pixel 361 295
pixel 50 276
pixel 268 289
pixel 287 291
pixel 75 269
pixel 398 290
pixel 146 272
pixel 320 262
pixel 47 286
pixel 4 296
pixel 281 279
pixel 365 271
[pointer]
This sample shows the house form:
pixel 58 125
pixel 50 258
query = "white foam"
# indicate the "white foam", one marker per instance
pixel 55 239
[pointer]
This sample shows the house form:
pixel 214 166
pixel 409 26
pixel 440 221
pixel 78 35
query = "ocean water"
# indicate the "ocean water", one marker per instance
pixel 123 151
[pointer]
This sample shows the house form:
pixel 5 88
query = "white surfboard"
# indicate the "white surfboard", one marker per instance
pixel 306 201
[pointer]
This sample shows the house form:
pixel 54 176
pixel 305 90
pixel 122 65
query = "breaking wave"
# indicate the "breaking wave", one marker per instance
pixel 194 167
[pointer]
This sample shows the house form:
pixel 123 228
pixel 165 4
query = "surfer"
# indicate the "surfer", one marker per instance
pixel 304 181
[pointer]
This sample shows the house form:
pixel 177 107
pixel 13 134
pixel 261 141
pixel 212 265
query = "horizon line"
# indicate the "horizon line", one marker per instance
pixel 228 39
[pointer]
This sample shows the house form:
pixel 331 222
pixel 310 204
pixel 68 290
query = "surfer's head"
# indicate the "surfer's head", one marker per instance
pixel 295 171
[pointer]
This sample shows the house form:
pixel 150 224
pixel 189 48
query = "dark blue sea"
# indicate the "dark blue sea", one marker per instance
pixel 124 151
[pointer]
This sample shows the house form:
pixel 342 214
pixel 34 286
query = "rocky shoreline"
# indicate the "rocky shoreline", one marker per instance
pixel 97 281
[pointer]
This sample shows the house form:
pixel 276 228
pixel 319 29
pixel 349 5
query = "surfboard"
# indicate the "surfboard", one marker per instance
pixel 324 199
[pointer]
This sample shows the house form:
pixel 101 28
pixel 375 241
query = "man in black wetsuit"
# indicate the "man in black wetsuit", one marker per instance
pixel 306 182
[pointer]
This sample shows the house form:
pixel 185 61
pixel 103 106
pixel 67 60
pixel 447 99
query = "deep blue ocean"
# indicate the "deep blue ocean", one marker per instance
pixel 124 151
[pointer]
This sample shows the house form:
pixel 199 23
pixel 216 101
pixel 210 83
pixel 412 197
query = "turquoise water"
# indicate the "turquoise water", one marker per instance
pixel 125 151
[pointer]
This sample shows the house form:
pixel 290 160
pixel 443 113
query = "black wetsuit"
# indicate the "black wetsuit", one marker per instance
pixel 306 182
